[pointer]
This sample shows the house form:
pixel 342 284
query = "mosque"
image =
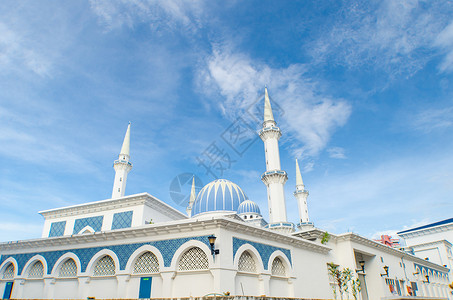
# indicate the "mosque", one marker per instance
pixel 222 246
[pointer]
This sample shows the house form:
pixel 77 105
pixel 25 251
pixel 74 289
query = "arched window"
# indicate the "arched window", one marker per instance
pixel 278 268
pixel 9 272
pixel 68 269
pixel 146 263
pixel 36 270
pixel 104 267
pixel 247 263
pixel 193 259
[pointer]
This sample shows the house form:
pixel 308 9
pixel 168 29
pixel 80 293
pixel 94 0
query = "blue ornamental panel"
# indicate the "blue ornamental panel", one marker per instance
pixel 93 222
pixel 57 228
pixel 122 220
pixel 265 251
pixel 167 248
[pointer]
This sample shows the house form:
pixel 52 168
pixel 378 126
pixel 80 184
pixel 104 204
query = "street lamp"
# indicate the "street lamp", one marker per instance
pixel 386 269
pixel 362 264
pixel 212 239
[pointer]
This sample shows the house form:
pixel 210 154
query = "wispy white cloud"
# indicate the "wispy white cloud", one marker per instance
pixel 309 115
pixel 16 53
pixel 336 152
pixel 432 119
pixel 161 14
pixel 390 35
pixel 445 41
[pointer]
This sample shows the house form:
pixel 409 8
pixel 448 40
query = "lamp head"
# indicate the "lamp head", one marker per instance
pixel 362 263
pixel 212 239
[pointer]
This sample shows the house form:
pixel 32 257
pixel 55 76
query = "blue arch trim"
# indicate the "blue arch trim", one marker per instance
pixel 433 271
pixel 264 250
pixel 166 247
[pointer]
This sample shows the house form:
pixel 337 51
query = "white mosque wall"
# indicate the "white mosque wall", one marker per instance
pixel 151 214
pixel 305 263
pixel 65 288
pixel 33 289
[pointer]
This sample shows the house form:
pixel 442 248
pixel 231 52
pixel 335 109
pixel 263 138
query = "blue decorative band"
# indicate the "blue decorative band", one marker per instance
pixel 167 248
pixel 264 250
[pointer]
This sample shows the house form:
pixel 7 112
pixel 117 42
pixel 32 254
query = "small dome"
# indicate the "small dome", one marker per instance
pixel 248 207
pixel 218 195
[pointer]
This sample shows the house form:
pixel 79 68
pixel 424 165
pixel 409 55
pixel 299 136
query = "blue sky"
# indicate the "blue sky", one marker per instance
pixel 364 91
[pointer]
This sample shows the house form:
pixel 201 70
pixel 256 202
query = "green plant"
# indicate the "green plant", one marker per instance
pixel 356 288
pixel 344 280
pixel 325 238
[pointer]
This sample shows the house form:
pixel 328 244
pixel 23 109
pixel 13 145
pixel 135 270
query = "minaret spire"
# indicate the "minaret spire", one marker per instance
pixel 125 149
pixel 274 178
pixel 299 180
pixel 268 115
pixel 301 196
pixel 122 166
pixel 192 198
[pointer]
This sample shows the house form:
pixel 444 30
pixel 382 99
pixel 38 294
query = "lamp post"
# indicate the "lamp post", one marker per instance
pixel 386 269
pixel 427 278
pixel 362 265
pixel 212 239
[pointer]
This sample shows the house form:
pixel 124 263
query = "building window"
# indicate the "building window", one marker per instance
pixel 146 263
pixel 68 269
pixel 104 267
pixel 193 259
pixel 278 268
pixel 246 263
pixel 57 228
pixel 94 222
pixel 122 220
pixel 9 272
pixel 36 270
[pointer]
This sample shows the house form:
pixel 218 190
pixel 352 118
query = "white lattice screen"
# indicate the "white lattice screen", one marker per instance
pixel 36 270
pixel 278 268
pixel 247 263
pixel 9 272
pixel 146 263
pixel 104 267
pixel 68 269
pixel 193 259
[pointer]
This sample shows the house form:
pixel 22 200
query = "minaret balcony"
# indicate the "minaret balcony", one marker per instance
pixel 274 176
pixel 297 192
pixel 270 132
pixel 121 161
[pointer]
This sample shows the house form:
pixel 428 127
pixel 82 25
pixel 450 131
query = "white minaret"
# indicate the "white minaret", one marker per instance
pixel 301 195
pixel 274 178
pixel 192 198
pixel 122 166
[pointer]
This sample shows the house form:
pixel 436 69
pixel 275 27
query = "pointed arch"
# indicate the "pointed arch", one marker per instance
pixel 255 255
pixel 62 259
pixel 284 260
pixel 98 256
pixel 184 248
pixel 6 264
pixel 141 251
pixel 86 229
pixel 31 262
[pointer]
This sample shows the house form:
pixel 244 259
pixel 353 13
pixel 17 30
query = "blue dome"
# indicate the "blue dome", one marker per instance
pixel 249 206
pixel 218 195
